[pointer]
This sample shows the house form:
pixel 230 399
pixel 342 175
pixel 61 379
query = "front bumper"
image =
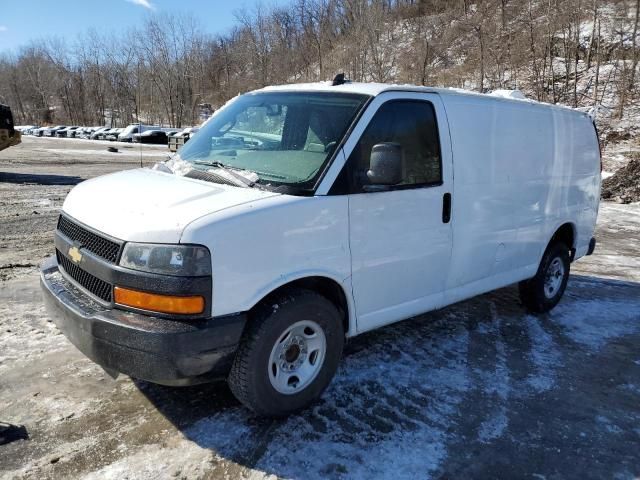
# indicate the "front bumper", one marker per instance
pixel 159 350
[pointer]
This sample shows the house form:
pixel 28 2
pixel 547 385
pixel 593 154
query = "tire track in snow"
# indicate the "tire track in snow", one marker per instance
pixel 483 415
pixel 496 424
pixel 366 426
pixel 544 355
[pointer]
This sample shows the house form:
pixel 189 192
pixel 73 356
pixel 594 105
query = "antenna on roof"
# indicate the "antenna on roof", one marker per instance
pixel 339 80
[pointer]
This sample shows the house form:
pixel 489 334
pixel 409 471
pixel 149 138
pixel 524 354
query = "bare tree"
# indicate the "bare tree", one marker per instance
pixel 634 48
pixel 161 71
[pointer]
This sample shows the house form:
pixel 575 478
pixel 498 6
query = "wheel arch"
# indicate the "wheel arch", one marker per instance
pixel 328 287
pixel 566 233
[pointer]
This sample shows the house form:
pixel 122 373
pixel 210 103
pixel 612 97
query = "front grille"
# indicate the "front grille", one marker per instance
pixel 96 244
pixel 97 287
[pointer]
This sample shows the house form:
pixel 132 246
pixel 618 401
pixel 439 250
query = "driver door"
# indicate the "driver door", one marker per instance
pixel 400 235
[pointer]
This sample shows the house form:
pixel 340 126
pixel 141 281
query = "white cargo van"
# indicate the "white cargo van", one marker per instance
pixel 302 215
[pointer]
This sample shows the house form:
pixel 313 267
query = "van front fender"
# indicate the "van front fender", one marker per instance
pixel 296 277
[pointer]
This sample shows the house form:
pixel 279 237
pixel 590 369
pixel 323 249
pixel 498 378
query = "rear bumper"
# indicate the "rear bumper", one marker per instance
pixel 164 351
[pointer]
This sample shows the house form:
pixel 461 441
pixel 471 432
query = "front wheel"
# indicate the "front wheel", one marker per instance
pixel 288 354
pixel 543 292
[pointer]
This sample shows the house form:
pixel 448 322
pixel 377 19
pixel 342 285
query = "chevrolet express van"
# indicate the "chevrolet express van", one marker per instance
pixel 302 215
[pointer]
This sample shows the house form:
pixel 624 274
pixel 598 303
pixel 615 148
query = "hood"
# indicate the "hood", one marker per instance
pixel 146 205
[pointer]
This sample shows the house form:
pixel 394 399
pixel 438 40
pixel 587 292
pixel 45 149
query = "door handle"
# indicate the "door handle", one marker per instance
pixel 446 208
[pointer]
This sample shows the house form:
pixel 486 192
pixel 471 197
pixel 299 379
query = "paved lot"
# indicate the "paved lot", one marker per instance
pixel 479 389
pixel 36 176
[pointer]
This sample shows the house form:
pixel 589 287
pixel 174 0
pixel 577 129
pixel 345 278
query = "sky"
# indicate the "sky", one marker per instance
pixel 21 22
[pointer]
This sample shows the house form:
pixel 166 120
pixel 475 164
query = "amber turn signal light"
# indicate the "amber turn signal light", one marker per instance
pixel 158 303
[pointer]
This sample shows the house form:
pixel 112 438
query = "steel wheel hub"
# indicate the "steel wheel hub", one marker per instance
pixel 553 278
pixel 297 357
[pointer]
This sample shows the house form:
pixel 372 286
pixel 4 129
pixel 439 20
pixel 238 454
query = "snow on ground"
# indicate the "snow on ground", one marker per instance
pixel 618 245
pixel 479 389
pixel 545 356
pixel 590 325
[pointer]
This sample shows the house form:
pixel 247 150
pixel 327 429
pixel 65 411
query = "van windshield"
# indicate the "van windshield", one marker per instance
pixel 286 138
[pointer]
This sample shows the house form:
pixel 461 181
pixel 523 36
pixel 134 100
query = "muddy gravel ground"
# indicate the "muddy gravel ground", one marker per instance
pixel 35 177
pixel 477 390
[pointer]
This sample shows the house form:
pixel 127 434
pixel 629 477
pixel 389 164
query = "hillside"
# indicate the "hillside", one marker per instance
pixel 578 53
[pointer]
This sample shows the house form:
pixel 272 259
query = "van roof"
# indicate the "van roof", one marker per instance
pixel 375 89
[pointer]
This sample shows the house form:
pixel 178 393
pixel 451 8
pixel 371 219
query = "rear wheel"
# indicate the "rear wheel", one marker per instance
pixel 288 354
pixel 543 292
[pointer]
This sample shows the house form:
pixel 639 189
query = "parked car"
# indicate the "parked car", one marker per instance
pixel 86 132
pixel 178 139
pixel 77 133
pixel 112 135
pixel 103 135
pixel 64 132
pixel 51 131
pixel 127 134
pixel 31 129
pixel 23 129
pixel 339 209
pixel 151 136
pixel 98 132
pixel 93 132
pixel 38 132
pixel 41 131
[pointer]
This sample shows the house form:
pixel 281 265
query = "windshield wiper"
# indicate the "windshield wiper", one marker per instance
pixel 232 171
pixel 211 164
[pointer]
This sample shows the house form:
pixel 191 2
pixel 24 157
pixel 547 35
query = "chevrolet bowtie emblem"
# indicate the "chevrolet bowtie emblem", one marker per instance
pixel 75 255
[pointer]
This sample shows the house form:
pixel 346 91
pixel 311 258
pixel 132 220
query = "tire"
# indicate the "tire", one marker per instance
pixel 283 339
pixel 541 293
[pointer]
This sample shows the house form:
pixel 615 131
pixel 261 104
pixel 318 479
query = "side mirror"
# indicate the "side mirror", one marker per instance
pixel 385 164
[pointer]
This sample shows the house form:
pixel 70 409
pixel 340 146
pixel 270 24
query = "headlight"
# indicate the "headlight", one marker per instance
pixel 180 260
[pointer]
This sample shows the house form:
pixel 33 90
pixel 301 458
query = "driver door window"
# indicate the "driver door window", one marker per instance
pixel 412 124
